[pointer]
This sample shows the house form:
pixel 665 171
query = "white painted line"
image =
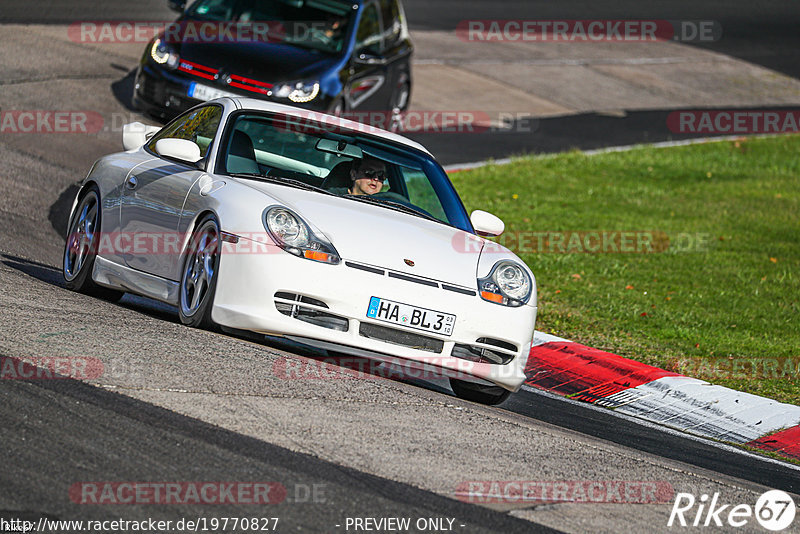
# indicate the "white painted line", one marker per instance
pixel 476 165
pixel 557 61
pixel 649 424
pixel 682 142
pixel 622 398
pixel 708 410
pixel 455 167
pixel 540 338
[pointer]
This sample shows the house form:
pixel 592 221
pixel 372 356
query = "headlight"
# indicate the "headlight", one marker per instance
pixel 508 284
pixel 294 236
pixel 297 92
pixel 162 53
pixel 286 228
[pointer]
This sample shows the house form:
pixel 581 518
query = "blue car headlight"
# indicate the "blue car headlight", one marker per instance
pixel 299 92
pixel 162 53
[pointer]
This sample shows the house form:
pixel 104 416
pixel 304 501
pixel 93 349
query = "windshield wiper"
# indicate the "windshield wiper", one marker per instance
pixel 397 206
pixel 279 180
pixel 253 175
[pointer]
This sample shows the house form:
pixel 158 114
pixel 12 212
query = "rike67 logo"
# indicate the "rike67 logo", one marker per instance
pixel 774 510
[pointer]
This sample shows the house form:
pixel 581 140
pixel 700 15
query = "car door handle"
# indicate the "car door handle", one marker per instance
pixel 131 182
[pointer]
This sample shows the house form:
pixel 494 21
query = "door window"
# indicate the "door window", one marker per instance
pixel 391 23
pixel 369 29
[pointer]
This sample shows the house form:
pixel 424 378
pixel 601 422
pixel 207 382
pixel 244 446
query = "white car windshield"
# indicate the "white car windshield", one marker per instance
pixel 342 162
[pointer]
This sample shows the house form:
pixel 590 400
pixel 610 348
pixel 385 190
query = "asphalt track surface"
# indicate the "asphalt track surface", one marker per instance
pixel 64 429
pixel 57 432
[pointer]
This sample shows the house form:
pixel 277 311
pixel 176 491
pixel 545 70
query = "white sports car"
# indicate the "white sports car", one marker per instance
pixel 261 217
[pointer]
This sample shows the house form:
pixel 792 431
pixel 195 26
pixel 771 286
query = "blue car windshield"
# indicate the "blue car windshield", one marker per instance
pixel 313 24
pixel 343 162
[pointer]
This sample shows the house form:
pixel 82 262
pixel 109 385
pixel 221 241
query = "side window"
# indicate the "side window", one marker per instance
pixel 199 126
pixel 392 28
pixel 369 29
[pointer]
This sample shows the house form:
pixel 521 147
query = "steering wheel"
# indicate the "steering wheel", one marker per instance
pixel 400 199
pixel 391 195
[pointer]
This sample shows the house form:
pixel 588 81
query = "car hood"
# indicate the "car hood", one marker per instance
pixel 267 62
pixel 383 237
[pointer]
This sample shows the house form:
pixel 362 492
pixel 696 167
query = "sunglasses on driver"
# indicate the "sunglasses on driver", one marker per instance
pixel 374 175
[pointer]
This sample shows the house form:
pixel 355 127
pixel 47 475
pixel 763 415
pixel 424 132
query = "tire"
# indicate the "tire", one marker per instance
pixel 491 395
pixel 80 249
pixel 199 275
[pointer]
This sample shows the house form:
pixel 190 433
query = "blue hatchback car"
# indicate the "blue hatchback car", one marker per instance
pixel 335 56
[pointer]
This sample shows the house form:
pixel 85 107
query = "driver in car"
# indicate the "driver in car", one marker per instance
pixel 367 176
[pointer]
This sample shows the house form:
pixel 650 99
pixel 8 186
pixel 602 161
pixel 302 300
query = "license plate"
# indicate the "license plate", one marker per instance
pixel 415 317
pixel 204 92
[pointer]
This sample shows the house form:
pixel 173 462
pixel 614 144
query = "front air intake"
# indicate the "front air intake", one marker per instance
pixel 401 337
pixel 486 350
pixel 309 310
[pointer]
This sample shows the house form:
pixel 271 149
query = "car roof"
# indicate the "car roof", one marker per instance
pixel 331 120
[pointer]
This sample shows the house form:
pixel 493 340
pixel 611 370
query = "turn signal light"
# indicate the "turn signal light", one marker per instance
pixel 494 297
pixel 316 255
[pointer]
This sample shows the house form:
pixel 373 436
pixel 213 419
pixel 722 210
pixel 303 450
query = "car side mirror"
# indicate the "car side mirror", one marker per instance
pixel 180 149
pixel 135 134
pixel 486 224
pixel 177 5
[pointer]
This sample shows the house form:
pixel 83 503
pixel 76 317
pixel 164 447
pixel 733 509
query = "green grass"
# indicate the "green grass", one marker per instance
pixel 731 298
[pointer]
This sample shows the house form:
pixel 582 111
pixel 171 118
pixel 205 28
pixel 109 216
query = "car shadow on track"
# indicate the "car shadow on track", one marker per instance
pixel 123 88
pixel 321 364
pixel 52 275
pixel 313 363
pixel 58 214
pixel 117 437
pixel 40 271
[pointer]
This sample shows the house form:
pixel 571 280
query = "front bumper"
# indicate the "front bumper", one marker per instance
pixel 165 93
pixel 246 299
pixel 161 92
